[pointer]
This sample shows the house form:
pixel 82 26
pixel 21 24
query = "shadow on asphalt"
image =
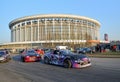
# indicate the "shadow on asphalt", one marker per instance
pixel 16 58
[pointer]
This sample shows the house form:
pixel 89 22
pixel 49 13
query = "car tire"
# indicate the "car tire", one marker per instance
pixel 46 60
pixel 67 64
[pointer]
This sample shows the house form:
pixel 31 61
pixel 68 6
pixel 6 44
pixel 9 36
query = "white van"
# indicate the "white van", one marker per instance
pixel 61 47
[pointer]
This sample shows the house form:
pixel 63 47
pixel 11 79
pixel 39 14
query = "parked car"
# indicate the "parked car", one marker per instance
pixel 30 56
pixel 46 50
pixel 4 56
pixel 86 50
pixel 67 59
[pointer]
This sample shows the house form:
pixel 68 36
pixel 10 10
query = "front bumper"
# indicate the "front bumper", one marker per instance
pixel 32 59
pixel 79 65
pixel 2 59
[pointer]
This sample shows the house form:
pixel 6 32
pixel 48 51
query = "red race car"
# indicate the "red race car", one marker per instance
pixel 30 56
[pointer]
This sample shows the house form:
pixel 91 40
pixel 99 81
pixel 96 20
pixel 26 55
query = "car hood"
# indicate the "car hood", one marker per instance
pixel 31 54
pixel 81 57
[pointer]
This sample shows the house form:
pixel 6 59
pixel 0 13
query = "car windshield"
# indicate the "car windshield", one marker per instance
pixel 31 52
pixel 79 56
pixel 66 52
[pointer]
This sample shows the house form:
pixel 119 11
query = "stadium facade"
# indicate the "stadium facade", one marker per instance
pixel 50 30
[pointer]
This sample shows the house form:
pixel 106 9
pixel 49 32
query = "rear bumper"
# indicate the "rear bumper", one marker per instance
pixel 2 60
pixel 32 60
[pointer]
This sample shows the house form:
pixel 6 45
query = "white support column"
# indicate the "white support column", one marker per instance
pixel 11 35
pixel 15 35
pixel 53 29
pixel 69 30
pixel 75 28
pixel 90 33
pixel 31 31
pixel 25 31
pixel 61 30
pixel 20 33
pixel 34 34
pixel 94 33
pixel 97 32
pixel 82 30
pixel 87 35
pixel 45 30
pixel 38 30
pixel 18 36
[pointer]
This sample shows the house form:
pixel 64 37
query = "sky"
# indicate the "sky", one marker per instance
pixel 107 12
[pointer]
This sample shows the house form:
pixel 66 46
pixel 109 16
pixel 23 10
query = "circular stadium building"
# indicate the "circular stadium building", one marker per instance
pixel 50 30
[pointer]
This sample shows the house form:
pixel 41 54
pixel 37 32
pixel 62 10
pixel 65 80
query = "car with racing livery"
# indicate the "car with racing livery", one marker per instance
pixel 67 59
pixel 30 56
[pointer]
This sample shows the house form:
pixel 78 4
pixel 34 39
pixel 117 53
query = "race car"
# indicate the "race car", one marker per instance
pixel 4 56
pixel 30 56
pixel 67 59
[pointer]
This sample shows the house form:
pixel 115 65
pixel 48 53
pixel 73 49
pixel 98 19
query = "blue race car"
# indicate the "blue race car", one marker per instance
pixel 67 59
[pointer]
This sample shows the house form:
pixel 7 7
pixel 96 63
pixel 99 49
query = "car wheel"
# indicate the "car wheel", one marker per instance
pixel 67 64
pixel 46 60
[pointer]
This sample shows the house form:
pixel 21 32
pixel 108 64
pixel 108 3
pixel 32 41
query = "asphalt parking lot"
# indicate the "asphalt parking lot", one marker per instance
pixel 102 70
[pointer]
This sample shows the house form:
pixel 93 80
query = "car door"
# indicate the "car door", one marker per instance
pixel 61 57
pixel 54 57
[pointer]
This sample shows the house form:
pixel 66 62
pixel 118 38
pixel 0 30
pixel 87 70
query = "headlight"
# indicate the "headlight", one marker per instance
pixel 76 61
pixel 2 58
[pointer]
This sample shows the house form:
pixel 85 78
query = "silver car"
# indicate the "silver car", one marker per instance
pixel 4 56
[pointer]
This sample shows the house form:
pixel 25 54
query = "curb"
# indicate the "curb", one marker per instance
pixel 104 56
